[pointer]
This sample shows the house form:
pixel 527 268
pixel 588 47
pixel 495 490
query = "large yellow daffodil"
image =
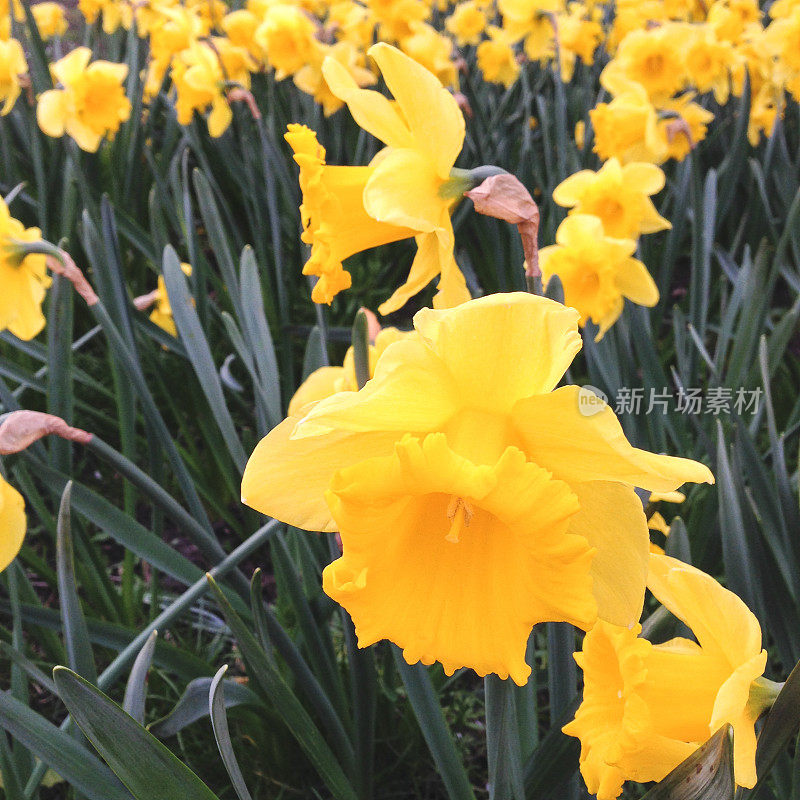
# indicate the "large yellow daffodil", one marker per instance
pixel 648 707
pixel 12 523
pixel 407 183
pixel 472 499
pixel 23 278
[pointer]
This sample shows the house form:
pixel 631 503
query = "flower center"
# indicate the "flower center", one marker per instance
pixel 459 512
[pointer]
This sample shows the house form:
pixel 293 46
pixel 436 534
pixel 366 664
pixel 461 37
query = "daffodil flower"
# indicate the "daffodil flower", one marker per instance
pixel 618 195
pixel 646 708
pixel 407 185
pixel 473 498
pixel 91 102
pixel 596 271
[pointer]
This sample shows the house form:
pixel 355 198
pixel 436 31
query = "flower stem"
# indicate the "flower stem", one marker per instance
pixel 502 740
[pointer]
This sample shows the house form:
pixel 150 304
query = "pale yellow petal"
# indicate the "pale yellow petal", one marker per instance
pixel 287 478
pixel 51 112
pixel 411 391
pixel 371 110
pixel 321 383
pixel 613 522
pixel 720 620
pixel 636 283
pixel 433 116
pixel 580 448
pixel 478 341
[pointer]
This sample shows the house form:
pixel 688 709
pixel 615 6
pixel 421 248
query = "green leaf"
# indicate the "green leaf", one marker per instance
pixel 199 352
pixel 219 722
pixel 193 705
pixel 434 728
pixel 264 672
pixel 60 751
pixel 76 634
pixel 136 688
pixel 140 761
pixel 706 775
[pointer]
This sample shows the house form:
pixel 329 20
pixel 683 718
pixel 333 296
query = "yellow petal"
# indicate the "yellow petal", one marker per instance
pixel 732 707
pixel 578 448
pixel 51 112
pixel 724 626
pixel 636 283
pixel 321 383
pixel 538 336
pixel 411 391
pixel 68 69
pixel 433 116
pixel 371 110
pixel 424 269
pixel 404 190
pixel 287 478
pixel 12 523
pixel 613 522
pixel 569 192
pixel 643 177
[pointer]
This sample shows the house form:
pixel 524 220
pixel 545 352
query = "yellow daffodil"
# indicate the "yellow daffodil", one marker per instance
pixel 91 103
pixel 325 381
pixel 12 67
pixel 433 51
pixel 10 9
pixel 647 707
pixel 310 79
pixel 497 60
pixel 467 22
pixel 627 127
pixel 395 17
pixel 201 75
pixel 240 27
pixel 50 19
pixel 578 37
pixel 619 196
pixel 708 64
pixel 287 37
pixel 731 18
pixel 654 59
pixel 596 271
pixel 335 223
pixel 23 277
pixel 532 21
pixel 472 499
pixel 12 523
pixel 402 193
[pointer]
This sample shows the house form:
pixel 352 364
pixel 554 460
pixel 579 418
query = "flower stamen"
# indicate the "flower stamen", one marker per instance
pixel 460 513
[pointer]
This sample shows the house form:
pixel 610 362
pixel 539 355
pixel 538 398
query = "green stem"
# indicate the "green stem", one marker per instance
pixel 360 339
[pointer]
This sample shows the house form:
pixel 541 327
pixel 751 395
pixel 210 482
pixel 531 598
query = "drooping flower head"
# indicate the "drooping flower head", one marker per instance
pixel 91 102
pixel 472 499
pixel 23 277
pixel 596 271
pixel 646 707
